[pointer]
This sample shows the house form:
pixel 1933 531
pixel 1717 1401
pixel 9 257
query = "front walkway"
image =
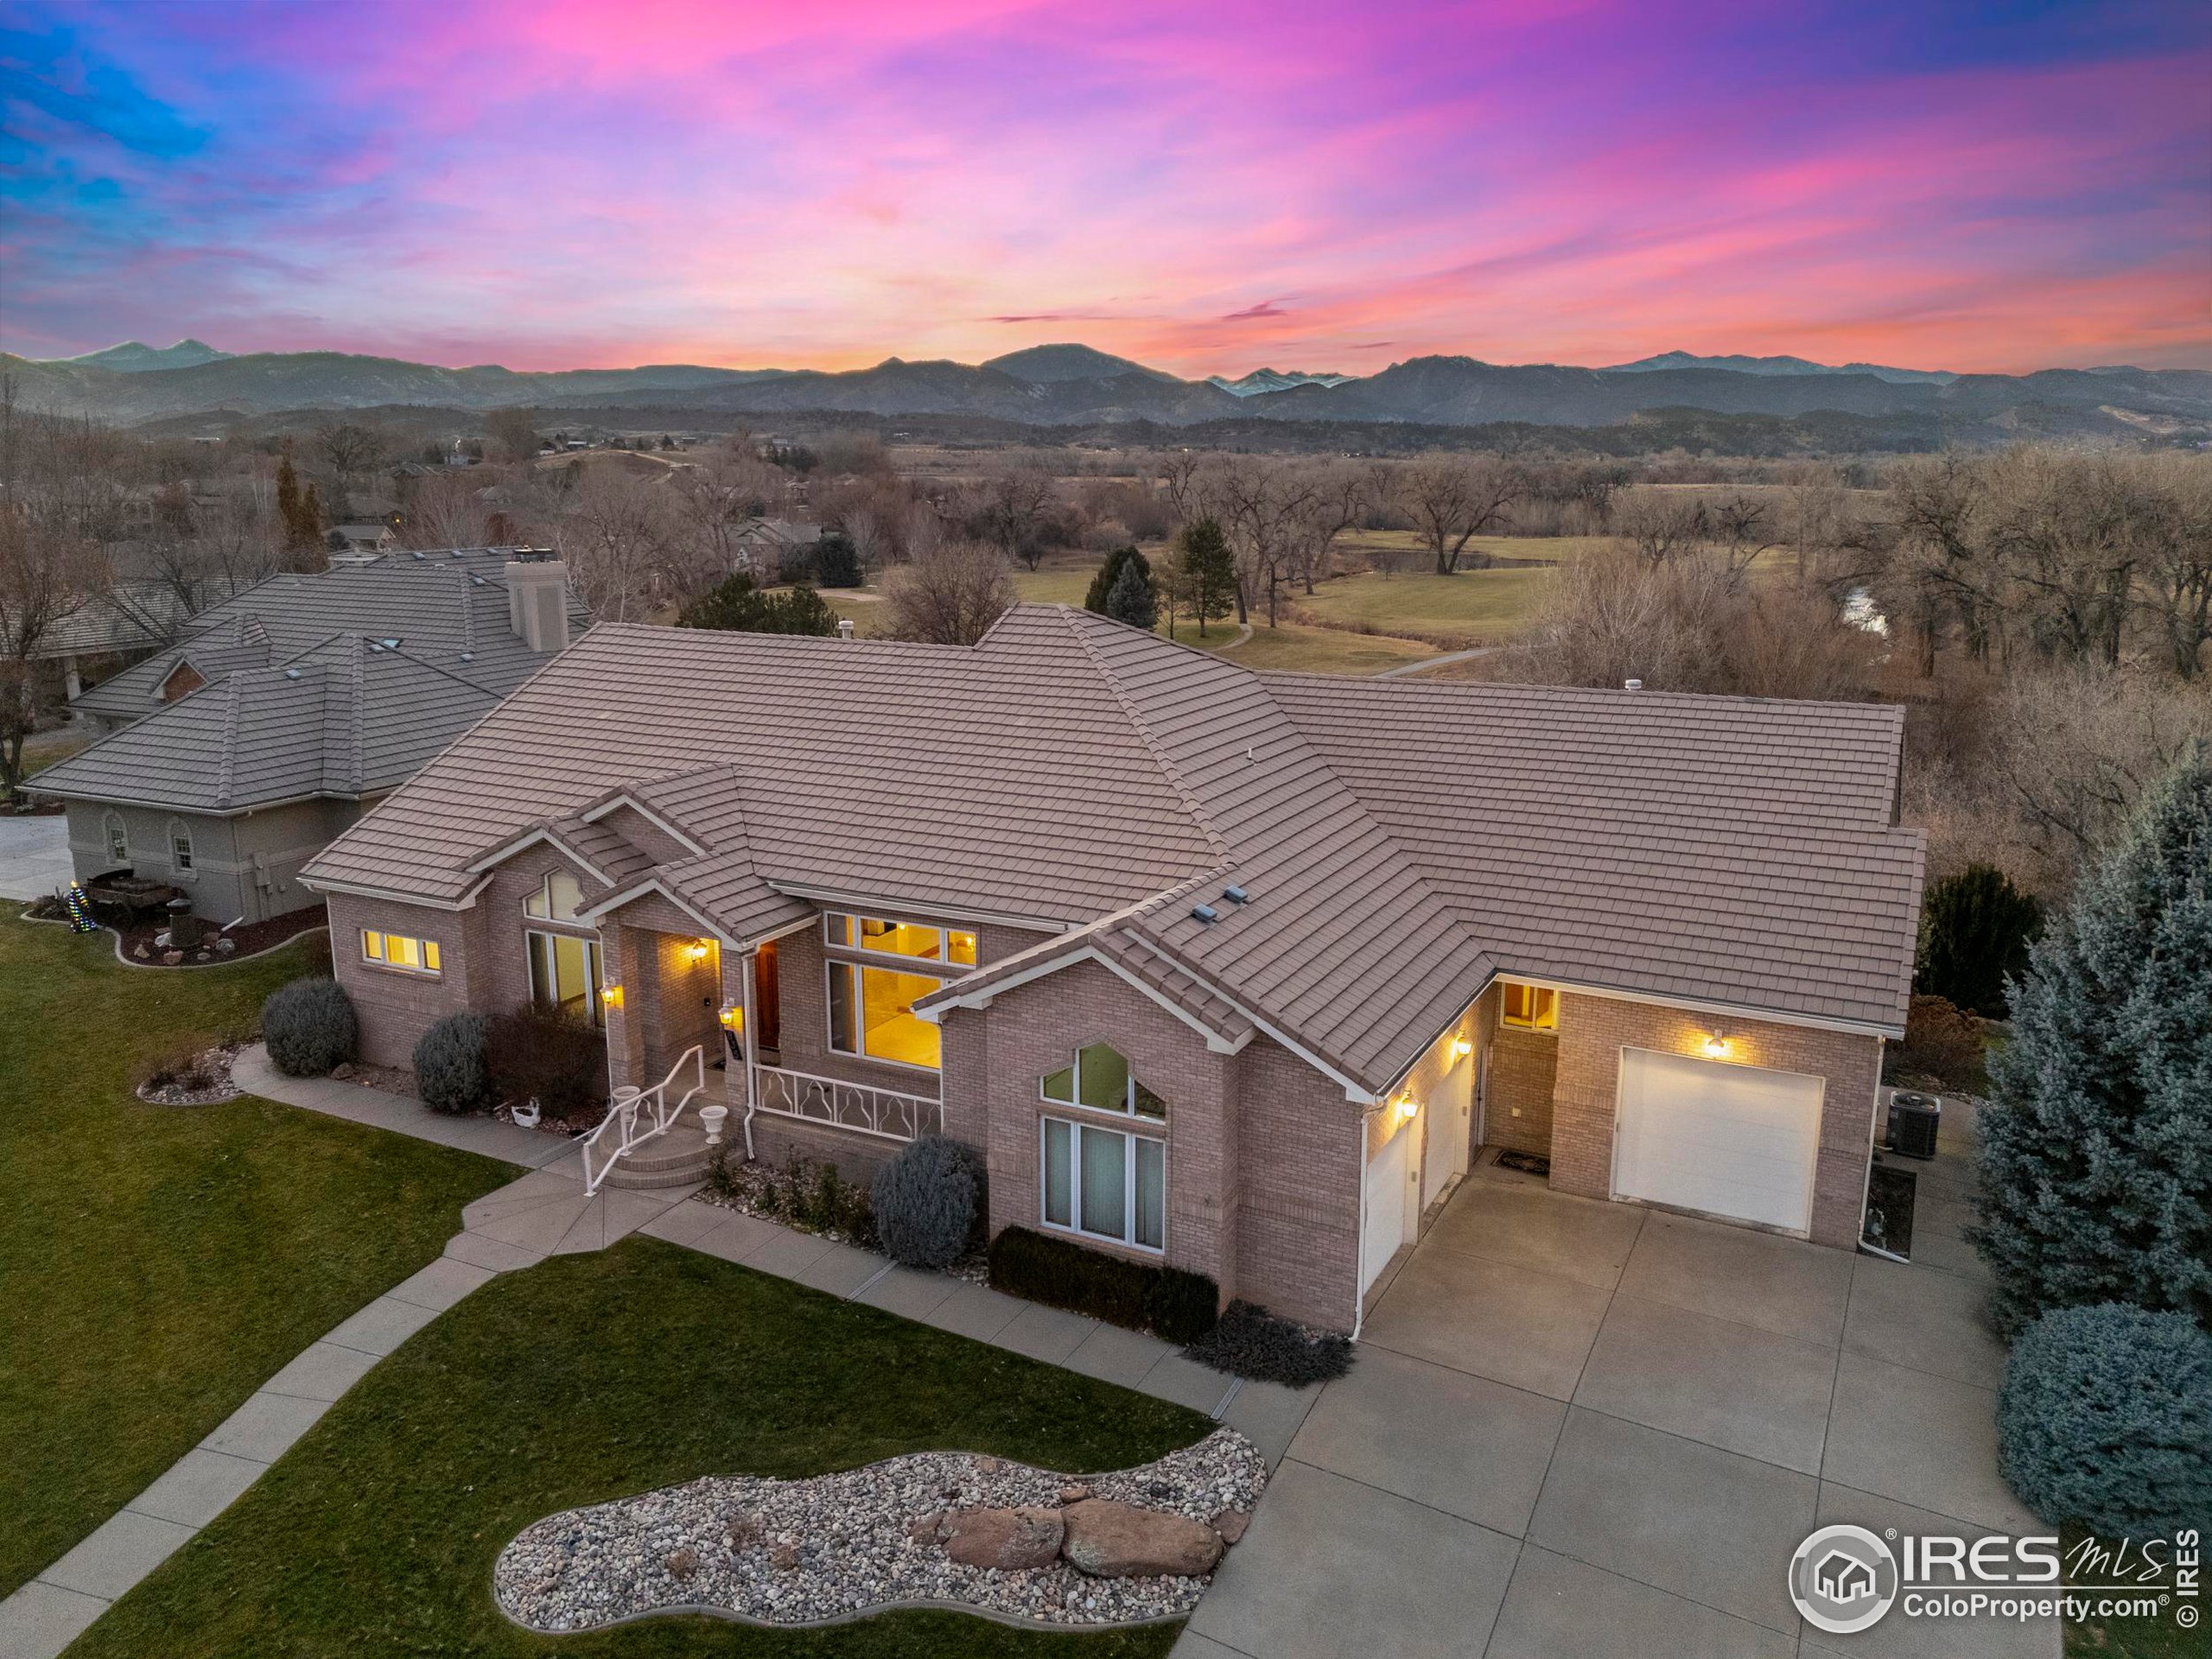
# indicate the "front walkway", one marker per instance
pixel 1585 1429
pixel 33 856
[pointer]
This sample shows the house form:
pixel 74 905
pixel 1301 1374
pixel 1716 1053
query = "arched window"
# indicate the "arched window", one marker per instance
pixel 118 838
pixel 1099 1180
pixel 558 898
pixel 180 846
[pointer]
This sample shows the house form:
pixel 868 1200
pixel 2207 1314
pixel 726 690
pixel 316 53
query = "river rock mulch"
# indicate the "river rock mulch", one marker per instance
pixel 836 1546
pixel 201 1079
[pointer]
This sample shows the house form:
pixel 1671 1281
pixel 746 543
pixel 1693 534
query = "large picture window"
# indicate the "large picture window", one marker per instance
pixel 1104 1183
pixel 871 1015
pixel 564 976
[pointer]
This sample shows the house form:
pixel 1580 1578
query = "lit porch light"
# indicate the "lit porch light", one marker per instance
pixel 611 995
pixel 1716 1045
pixel 1461 1048
pixel 698 949
pixel 1406 1107
pixel 734 1018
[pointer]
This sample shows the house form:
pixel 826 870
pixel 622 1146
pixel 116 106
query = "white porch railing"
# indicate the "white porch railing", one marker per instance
pixel 639 1116
pixel 859 1107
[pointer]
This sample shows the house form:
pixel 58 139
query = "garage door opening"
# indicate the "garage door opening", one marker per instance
pixel 1737 1141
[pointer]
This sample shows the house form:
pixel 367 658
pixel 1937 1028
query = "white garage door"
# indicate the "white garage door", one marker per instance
pixel 1736 1141
pixel 1387 1174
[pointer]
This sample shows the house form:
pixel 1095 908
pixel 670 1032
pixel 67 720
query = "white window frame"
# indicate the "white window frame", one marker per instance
pixel 851 925
pixel 1535 1022
pixel 858 1004
pixel 117 834
pixel 594 971
pixel 380 957
pixel 1073 1228
pixel 1128 1108
pixel 544 895
pixel 183 857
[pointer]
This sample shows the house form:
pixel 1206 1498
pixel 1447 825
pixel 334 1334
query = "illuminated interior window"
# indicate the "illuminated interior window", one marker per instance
pixel 900 939
pixel 564 977
pixel 400 951
pixel 1528 1007
pixel 963 947
pixel 872 1012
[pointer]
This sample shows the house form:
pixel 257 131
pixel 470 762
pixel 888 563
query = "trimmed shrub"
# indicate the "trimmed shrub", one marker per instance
pixel 1249 1341
pixel 1060 1273
pixel 2105 1419
pixel 311 1027
pixel 558 1061
pixel 449 1070
pixel 927 1201
pixel 1975 932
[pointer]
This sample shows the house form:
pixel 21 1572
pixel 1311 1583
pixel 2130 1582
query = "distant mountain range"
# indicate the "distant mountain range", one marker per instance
pixel 1074 384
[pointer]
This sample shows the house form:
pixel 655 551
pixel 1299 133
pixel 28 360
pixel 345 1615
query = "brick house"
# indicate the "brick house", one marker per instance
pixel 1237 970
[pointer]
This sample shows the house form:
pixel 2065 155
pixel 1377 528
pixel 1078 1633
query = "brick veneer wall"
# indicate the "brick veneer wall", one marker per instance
pixel 1523 1076
pixel 394 1008
pixel 1298 1180
pixel 1592 1030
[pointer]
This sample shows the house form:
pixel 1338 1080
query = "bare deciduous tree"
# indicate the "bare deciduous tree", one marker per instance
pixel 350 448
pixel 951 593
pixel 1452 498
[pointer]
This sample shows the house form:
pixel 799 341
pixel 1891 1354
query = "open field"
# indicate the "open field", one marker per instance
pixel 589 1378
pixel 159 1263
pixel 1475 607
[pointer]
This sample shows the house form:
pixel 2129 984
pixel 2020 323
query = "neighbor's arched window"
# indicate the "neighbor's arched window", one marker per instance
pixel 180 845
pixel 118 837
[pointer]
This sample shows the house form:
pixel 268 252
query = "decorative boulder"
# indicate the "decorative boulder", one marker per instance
pixel 1009 1539
pixel 1109 1540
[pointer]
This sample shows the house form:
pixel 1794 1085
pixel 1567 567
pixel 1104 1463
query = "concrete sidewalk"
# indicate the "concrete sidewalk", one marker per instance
pixel 359 1103
pixel 34 857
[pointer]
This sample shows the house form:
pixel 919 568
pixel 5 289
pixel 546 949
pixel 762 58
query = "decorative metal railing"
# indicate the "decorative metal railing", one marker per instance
pixel 639 1116
pixel 864 1109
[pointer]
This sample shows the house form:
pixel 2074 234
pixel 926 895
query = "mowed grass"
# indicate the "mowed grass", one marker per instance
pixel 1474 607
pixel 1294 648
pixel 157 1264
pixel 585 1378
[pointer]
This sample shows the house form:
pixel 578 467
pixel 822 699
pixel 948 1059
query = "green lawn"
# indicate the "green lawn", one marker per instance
pixel 158 1264
pixel 1472 608
pixel 582 1379
pixel 1307 650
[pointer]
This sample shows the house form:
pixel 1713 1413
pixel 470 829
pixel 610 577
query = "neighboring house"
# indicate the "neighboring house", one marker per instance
pixel 765 545
pixel 361 538
pixel 1230 969
pixel 132 616
pixel 235 756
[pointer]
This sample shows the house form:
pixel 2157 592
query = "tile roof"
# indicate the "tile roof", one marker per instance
pixel 447 608
pixel 1398 843
pixel 346 718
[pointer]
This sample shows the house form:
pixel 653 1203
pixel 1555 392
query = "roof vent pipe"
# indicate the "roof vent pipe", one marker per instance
pixel 844 627
pixel 1631 685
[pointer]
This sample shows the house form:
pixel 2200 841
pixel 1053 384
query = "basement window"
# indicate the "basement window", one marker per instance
pixel 1528 1007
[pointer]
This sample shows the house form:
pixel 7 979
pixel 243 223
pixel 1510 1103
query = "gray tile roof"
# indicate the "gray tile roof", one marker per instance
pixel 1398 843
pixel 346 718
pixel 446 608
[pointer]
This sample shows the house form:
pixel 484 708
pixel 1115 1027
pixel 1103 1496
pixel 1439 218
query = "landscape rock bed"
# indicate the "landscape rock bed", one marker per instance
pixel 206 1082
pixel 837 1547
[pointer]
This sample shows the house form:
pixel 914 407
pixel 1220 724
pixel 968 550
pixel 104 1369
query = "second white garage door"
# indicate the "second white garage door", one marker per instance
pixel 1735 1140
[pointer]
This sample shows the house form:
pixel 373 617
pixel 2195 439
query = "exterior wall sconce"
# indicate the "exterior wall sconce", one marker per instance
pixel 1716 1045
pixel 1461 1048
pixel 734 1017
pixel 611 995
pixel 1406 1108
pixel 698 949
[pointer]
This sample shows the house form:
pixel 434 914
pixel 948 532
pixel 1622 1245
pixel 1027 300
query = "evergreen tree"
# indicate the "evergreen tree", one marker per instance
pixel 1102 583
pixel 303 526
pixel 1208 572
pixel 736 606
pixel 836 560
pixel 1974 931
pixel 2096 1156
pixel 1133 601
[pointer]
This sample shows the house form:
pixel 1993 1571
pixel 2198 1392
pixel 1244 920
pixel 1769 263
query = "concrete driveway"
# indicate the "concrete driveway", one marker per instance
pixel 34 857
pixel 1581 1429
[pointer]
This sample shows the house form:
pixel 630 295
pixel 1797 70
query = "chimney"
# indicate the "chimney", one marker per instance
pixel 537 600
pixel 844 627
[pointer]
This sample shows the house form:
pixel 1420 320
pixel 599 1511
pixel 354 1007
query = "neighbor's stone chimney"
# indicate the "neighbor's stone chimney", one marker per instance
pixel 538 601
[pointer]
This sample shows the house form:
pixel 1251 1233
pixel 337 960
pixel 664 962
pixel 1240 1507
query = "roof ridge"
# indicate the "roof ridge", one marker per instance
pixel 1143 729
pixel 233 692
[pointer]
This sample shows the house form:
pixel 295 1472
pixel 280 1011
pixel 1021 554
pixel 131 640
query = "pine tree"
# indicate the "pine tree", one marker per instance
pixel 1102 583
pixel 1209 571
pixel 1975 932
pixel 2096 1156
pixel 735 605
pixel 288 500
pixel 1133 601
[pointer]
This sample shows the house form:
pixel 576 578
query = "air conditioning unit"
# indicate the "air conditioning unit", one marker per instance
pixel 1913 1119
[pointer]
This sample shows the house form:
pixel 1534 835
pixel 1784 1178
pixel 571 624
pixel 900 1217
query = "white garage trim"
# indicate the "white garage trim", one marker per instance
pixel 1738 1142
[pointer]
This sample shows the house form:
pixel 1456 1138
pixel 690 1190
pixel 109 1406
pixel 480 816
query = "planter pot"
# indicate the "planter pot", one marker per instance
pixel 711 1119
pixel 526 1116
